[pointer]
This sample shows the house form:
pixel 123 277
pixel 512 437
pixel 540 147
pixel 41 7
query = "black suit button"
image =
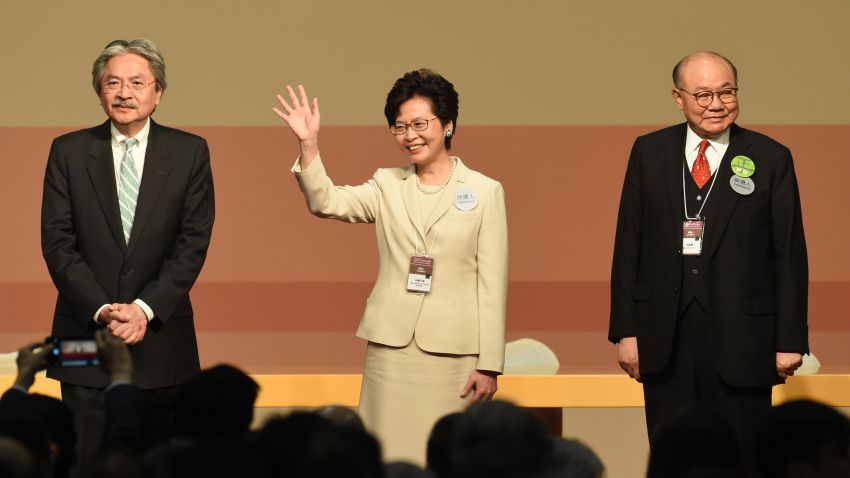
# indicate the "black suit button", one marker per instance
pixel 676 290
pixel 128 272
pixel 694 271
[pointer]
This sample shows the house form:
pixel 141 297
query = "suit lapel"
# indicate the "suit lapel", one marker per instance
pixel 408 194
pixel 723 197
pixel 447 196
pixel 102 174
pixel 154 177
pixel 674 156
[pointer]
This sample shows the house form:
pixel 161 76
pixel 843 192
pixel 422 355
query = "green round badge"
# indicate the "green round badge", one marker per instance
pixel 743 166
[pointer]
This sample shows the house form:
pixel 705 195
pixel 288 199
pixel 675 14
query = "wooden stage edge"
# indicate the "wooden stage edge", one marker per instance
pixel 531 391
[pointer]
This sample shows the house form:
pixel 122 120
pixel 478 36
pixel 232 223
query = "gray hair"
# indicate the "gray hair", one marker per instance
pixel 142 47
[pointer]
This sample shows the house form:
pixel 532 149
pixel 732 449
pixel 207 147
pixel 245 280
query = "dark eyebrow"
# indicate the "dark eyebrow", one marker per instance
pixel 418 118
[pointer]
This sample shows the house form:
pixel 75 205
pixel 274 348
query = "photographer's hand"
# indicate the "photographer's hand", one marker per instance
pixel 31 359
pixel 115 355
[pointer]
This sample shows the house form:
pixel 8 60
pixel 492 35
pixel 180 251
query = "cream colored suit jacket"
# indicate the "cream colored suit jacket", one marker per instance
pixel 465 311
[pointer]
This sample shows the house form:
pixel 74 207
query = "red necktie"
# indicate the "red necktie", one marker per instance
pixel 701 171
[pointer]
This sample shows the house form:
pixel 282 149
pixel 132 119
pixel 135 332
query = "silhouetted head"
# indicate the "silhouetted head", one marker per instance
pixel 15 460
pixel 696 441
pixel 401 469
pixel 305 445
pixel 215 403
pixel 574 459
pixel 438 456
pixel 340 415
pixel 804 438
pixel 495 439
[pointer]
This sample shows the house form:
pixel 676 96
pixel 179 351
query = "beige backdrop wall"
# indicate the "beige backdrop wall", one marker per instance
pixel 552 95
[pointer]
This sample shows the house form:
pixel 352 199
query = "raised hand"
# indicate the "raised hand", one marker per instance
pixel 302 119
pixel 31 359
pixel 115 354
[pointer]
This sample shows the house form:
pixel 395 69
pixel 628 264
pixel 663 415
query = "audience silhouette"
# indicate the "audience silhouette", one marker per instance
pixel 205 431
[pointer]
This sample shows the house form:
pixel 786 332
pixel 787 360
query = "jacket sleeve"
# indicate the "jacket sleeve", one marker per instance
pixel 626 253
pixel 492 260
pixel 180 270
pixel 790 257
pixel 345 203
pixel 70 273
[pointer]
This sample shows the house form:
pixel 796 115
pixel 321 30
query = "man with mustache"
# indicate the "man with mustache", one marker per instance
pixel 127 215
pixel 709 281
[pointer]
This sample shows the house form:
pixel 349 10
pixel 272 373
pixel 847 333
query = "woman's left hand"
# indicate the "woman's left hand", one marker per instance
pixel 482 383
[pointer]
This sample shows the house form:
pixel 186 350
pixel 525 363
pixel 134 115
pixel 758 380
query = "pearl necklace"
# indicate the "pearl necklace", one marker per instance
pixel 442 186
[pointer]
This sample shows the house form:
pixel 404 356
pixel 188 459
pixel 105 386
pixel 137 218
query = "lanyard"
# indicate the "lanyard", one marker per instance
pixel 433 240
pixel 685 199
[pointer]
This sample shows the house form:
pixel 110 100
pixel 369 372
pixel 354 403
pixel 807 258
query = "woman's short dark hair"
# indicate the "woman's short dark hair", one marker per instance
pixel 431 86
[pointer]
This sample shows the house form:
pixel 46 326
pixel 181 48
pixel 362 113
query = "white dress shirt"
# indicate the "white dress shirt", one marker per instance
pixel 714 153
pixel 138 152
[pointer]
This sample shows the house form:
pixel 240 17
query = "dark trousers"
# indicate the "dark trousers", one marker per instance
pixel 691 380
pixel 88 406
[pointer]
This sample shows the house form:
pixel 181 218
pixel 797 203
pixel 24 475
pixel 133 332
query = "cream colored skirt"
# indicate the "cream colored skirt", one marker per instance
pixel 405 391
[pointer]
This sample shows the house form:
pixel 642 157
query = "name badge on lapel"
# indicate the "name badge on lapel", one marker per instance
pixel 742 186
pixel 466 199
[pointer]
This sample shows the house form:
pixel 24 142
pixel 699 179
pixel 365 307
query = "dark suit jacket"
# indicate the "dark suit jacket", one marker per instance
pixel 754 247
pixel 90 264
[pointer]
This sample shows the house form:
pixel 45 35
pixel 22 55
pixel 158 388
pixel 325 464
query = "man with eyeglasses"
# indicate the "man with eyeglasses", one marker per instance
pixel 709 280
pixel 127 215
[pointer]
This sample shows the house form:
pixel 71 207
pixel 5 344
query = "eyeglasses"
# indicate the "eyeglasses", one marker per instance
pixel 704 98
pixel 112 86
pixel 419 124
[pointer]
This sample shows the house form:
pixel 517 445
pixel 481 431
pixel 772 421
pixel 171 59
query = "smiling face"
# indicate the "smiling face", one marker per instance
pixel 706 72
pixel 127 107
pixel 426 146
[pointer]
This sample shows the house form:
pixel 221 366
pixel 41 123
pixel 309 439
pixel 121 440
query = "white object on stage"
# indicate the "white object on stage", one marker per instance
pixel 530 357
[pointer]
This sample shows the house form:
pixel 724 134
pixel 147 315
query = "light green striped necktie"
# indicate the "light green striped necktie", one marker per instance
pixel 128 189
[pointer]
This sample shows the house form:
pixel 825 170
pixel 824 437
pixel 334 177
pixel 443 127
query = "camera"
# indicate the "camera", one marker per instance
pixel 72 352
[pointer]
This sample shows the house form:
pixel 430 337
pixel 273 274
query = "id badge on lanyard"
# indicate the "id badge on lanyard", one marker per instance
pixel 421 273
pixel 693 228
pixel 692 232
pixel 422 269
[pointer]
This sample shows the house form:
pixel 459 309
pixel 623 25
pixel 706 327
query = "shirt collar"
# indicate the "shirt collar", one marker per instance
pixel 141 136
pixel 693 140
